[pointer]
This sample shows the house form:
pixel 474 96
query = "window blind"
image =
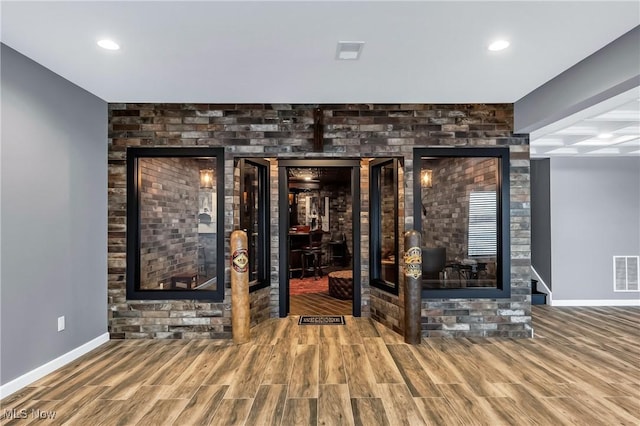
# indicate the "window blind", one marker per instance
pixel 482 223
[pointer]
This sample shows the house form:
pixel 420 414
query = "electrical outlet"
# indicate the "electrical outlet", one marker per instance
pixel 61 323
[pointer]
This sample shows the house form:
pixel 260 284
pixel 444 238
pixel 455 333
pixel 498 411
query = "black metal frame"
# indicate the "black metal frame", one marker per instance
pixel 133 224
pixel 283 206
pixel 263 219
pixel 503 255
pixel 375 210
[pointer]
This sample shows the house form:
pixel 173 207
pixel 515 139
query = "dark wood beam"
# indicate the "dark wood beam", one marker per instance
pixel 318 130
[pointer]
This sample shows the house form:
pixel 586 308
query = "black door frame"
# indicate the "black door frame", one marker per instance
pixel 283 223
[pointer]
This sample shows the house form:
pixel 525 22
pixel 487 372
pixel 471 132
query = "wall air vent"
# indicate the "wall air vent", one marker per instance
pixel 625 273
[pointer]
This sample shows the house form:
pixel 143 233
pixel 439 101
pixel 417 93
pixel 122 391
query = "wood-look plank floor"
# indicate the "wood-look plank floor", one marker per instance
pixel 319 304
pixel 582 368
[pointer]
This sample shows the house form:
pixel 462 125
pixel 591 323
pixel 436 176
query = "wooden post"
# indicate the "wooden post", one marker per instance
pixel 240 312
pixel 412 288
pixel 318 130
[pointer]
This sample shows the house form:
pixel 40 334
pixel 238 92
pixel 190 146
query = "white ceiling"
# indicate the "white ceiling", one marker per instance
pixel 610 128
pixel 285 51
pixel 267 51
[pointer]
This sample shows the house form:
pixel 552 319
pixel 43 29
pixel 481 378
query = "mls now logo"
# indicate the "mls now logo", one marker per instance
pixel 33 413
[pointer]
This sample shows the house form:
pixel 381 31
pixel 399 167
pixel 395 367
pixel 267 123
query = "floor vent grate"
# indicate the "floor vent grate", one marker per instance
pixel 625 273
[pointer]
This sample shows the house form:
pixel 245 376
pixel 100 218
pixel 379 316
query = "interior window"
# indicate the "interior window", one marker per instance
pixel 461 212
pixel 175 227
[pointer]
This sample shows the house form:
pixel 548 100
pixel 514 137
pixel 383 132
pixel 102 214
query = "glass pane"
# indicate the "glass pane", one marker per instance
pixel 249 215
pixel 388 225
pixel 459 222
pixel 177 223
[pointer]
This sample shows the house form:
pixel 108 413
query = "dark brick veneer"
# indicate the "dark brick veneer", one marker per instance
pixel 361 131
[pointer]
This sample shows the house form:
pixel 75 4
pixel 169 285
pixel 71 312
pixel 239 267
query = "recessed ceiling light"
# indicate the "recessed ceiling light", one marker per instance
pixel 349 50
pixel 108 44
pixel 498 45
pixel 605 135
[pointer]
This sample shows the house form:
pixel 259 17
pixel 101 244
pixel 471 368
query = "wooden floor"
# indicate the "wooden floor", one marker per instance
pixel 318 304
pixel 582 368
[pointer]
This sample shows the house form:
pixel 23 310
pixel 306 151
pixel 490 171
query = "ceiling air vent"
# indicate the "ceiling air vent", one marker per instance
pixel 625 273
pixel 349 50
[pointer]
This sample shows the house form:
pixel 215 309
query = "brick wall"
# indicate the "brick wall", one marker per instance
pixel 495 317
pixel 340 210
pixel 168 219
pixel 446 223
pixel 387 308
pixel 259 305
pixel 360 131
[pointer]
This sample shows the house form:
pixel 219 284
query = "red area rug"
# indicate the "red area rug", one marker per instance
pixel 309 285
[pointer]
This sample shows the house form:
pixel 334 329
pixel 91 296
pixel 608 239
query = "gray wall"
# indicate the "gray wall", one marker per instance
pixel 54 216
pixel 595 206
pixel 608 72
pixel 541 219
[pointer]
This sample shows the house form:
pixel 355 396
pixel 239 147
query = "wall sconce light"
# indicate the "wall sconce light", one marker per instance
pixel 427 178
pixel 426 181
pixel 206 179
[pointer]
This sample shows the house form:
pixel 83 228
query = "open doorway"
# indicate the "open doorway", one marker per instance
pixel 317 271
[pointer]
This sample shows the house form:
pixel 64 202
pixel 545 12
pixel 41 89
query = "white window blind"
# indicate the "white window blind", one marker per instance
pixel 483 223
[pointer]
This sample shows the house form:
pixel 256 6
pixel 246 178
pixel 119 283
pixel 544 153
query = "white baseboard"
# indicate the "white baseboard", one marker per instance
pixel 597 302
pixel 38 373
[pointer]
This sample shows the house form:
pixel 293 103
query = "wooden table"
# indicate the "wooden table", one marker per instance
pixel 190 279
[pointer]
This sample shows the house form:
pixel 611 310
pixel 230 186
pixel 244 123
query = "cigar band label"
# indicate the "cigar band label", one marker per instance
pixel 240 260
pixel 413 262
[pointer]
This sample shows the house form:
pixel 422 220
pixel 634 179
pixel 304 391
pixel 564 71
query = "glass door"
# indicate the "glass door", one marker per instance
pixel 384 224
pixel 254 220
